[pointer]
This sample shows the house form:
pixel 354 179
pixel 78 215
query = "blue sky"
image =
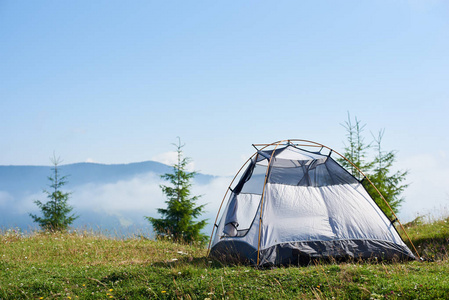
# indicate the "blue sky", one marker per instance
pixel 117 82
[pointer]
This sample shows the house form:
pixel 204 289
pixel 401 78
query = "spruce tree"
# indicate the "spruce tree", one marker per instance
pixel 389 184
pixel 179 218
pixel 378 170
pixel 55 211
pixel 356 149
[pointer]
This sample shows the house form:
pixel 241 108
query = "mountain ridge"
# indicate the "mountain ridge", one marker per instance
pixel 107 196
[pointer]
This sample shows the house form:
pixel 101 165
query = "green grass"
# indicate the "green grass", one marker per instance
pixel 430 238
pixel 89 266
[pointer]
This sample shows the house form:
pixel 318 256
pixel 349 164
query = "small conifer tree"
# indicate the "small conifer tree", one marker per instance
pixel 356 149
pixel 389 184
pixel 55 211
pixel 179 218
pixel 377 170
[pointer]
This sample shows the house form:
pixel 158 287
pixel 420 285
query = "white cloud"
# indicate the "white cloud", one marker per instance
pixel 5 198
pixel 141 193
pixel 125 222
pixel 428 192
pixel 90 160
pixel 127 200
pixel 170 158
pixel 212 193
pixel 26 204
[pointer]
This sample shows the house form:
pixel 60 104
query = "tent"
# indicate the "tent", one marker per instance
pixel 293 205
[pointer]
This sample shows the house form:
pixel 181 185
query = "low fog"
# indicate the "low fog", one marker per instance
pixel 119 206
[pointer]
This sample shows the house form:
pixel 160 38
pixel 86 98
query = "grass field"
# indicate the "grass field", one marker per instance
pixel 90 266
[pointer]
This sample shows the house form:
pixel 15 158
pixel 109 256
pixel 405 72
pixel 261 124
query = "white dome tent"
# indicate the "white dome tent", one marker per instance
pixel 292 205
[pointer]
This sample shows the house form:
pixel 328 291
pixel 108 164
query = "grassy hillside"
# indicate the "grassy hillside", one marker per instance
pixel 431 238
pixel 86 266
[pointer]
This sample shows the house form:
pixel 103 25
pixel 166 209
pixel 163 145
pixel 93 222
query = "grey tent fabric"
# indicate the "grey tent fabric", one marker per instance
pixel 312 208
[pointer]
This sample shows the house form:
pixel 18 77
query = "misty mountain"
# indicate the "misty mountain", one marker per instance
pixel 113 198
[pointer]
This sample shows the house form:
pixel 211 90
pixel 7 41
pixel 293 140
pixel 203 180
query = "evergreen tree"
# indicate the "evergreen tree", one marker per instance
pixel 356 149
pixel 55 211
pixel 178 219
pixel 389 184
pixel 378 171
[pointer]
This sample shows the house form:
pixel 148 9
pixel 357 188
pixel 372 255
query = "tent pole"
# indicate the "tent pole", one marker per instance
pixel 262 198
pixel 380 194
pixel 315 144
pixel 224 197
pixel 396 217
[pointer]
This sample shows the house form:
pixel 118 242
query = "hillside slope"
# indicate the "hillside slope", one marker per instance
pixel 90 266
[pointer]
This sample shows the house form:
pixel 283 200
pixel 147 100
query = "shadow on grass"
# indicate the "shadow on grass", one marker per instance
pixel 213 263
pixel 196 262
pixel 435 248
